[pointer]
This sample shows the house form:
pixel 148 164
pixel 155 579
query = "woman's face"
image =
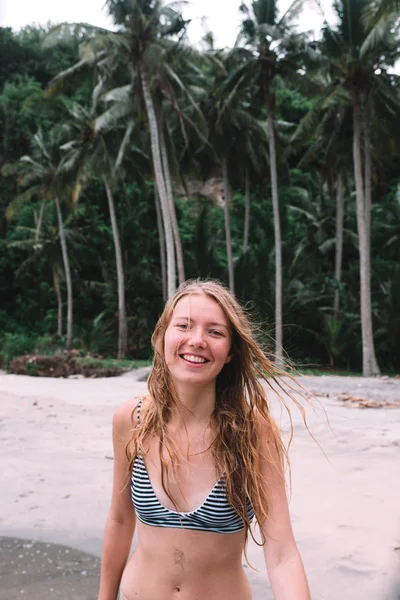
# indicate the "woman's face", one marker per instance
pixel 197 340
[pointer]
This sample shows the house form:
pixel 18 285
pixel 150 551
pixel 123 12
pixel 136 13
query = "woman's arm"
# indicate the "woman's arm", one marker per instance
pixel 282 558
pixel 121 520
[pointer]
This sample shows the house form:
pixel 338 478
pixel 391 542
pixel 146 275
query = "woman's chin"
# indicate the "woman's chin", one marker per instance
pixel 193 378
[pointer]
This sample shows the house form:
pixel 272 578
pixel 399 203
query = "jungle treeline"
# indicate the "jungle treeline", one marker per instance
pixel 132 159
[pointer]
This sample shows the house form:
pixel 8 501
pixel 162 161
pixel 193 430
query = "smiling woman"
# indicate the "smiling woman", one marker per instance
pixel 197 460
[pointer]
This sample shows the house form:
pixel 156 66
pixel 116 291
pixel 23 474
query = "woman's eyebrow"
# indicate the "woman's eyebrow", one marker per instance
pixel 212 324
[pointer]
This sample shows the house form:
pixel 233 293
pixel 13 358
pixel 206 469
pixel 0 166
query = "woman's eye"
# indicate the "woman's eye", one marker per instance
pixel 214 332
pixel 182 326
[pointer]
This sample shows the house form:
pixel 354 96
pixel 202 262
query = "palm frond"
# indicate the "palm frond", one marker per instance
pixel 292 13
pixel 15 205
pixel 185 90
pixel 308 123
pixel 242 73
pixel 327 246
pixel 114 44
pixel 226 104
pixel 377 35
pixel 35 168
pixel 73 159
pixel 119 94
pixel 375 11
pixel 68 33
pixel 41 145
pixel 123 146
pixel 58 82
pixel 98 90
pixel 113 116
pixel 68 146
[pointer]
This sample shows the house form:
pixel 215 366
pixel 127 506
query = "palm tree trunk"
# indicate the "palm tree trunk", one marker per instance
pixel 278 240
pixel 368 192
pixel 367 170
pixel 339 241
pixel 246 211
pixel 68 278
pixel 160 181
pixel 370 366
pixel 59 302
pixel 171 204
pixel 122 321
pixel 227 219
pixel 162 245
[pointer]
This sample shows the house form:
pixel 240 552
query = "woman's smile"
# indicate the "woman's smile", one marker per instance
pixel 194 360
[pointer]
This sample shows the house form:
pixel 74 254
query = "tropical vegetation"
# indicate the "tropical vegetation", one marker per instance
pixel 132 159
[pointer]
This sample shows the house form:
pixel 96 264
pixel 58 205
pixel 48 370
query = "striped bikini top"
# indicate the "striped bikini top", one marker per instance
pixel 215 514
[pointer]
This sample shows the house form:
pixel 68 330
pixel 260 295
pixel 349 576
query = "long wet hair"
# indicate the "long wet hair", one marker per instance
pixel 241 406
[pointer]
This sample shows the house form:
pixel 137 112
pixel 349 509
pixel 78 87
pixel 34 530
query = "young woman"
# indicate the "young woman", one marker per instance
pixel 197 461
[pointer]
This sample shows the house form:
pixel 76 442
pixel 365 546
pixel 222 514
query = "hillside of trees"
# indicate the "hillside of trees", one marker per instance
pixel 132 160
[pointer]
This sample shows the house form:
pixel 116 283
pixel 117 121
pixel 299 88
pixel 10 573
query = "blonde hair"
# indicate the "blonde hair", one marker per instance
pixel 241 405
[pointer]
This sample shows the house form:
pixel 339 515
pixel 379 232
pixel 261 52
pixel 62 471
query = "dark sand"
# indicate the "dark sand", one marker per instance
pixel 38 570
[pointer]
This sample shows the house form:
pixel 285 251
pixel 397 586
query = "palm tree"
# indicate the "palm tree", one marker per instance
pixel 90 152
pixel 43 244
pixel 168 182
pixel 324 133
pixel 42 177
pixel 269 50
pixel 149 26
pixel 145 46
pixel 163 261
pixel 235 139
pixel 356 73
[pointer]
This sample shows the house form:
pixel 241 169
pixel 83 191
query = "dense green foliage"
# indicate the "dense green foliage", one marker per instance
pixel 314 140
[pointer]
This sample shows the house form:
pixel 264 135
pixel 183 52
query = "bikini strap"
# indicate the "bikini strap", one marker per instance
pixel 138 408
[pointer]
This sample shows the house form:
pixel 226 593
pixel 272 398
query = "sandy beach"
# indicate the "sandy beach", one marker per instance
pixel 56 465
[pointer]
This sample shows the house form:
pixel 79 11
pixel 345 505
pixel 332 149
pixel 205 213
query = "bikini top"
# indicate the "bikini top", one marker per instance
pixel 215 514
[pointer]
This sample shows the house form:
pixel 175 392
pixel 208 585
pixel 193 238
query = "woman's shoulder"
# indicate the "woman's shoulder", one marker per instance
pixel 266 428
pixel 126 414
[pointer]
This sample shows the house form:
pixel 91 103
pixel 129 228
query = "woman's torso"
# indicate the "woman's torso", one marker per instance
pixel 177 562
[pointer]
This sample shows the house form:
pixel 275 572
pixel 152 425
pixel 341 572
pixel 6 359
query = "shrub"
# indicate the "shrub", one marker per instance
pixel 43 366
pixel 48 345
pixel 15 344
pixel 65 365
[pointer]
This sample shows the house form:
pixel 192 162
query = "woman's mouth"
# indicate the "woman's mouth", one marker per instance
pixel 194 360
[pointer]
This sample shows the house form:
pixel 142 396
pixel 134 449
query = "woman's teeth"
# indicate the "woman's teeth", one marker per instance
pixel 194 359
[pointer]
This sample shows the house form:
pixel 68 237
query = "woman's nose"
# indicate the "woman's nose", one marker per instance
pixel 197 338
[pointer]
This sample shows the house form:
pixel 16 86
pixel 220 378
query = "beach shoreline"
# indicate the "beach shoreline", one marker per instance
pixel 57 465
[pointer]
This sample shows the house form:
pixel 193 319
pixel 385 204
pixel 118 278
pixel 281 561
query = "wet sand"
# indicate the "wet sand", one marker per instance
pixel 39 570
pixel 56 465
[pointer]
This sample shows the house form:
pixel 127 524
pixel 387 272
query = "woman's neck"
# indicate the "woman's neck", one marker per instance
pixel 197 403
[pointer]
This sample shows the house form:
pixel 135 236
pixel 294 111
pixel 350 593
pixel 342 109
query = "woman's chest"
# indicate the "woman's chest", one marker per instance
pixel 181 475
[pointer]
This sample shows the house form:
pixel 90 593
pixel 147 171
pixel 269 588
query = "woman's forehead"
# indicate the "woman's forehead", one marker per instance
pixel 199 304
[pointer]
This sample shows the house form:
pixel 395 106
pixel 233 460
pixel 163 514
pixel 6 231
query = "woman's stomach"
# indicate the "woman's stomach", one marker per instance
pixel 172 564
